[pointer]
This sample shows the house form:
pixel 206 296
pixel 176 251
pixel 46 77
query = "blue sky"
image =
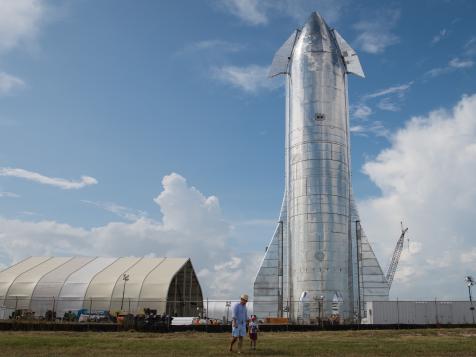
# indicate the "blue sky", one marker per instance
pixel 101 101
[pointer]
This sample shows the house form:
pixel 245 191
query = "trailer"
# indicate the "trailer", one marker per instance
pixel 418 312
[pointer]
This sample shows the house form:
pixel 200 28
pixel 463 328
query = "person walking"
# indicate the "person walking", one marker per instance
pixel 239 320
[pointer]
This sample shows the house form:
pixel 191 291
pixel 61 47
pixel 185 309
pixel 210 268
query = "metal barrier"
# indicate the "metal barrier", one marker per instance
pixel 219 312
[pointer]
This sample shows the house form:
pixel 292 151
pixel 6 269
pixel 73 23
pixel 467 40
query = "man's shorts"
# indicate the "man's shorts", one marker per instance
pixel 238 331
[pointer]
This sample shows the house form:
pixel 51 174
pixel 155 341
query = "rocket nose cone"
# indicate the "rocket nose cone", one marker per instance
pixel 317 33
pixel 316 24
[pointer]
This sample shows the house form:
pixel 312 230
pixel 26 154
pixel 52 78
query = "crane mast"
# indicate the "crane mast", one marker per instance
pixel 392 268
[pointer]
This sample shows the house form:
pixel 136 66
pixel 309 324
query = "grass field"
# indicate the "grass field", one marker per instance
pixel 431 342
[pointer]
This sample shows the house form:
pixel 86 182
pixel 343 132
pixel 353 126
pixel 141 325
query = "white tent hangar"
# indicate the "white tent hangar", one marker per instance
pixel 63 284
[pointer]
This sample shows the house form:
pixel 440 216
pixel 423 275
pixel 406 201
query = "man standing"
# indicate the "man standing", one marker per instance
pixel 238 322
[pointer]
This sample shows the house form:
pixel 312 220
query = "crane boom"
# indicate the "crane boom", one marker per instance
pixel 392 268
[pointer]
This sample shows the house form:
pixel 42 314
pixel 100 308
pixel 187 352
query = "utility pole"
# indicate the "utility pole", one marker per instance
pixel 280 271
pixel 227 304
pixel 470 282
pixel 125 277
pixel 358 235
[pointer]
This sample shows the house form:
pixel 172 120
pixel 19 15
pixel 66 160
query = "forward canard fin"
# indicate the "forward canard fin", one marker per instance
pixel 283 56
pixel 351 60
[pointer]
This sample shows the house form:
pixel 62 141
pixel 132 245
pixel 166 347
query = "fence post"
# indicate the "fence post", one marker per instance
pixel 398 314
pixel 436 312
pixel 53 317
pixel 16 307
pixel 206 325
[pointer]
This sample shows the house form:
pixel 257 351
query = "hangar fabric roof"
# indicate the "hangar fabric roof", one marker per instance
pixel 72 281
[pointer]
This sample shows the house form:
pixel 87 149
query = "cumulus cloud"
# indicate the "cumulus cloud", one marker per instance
pixel 192 226
pixel 52 181
pixel 259 12
pixel 251 79
pixel 376 35
pixel 9 83
pixel 426 177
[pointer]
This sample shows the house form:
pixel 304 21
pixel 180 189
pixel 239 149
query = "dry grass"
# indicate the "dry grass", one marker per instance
pixel 431 342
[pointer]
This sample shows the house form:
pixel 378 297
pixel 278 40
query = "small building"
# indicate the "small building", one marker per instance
pixel 127 284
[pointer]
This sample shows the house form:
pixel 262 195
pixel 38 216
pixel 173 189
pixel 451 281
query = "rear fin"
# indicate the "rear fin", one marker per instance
pixel 283 55
pixel 351 60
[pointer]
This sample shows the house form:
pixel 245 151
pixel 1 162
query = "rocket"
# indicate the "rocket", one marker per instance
pixel 314 256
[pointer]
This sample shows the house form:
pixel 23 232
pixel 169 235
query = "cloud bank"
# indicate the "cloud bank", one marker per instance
pixel 426 178
pixel 192 226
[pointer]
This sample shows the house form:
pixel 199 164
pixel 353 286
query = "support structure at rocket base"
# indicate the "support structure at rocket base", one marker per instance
pixel 319 262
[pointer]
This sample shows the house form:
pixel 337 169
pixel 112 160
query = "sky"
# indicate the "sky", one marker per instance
pixel 150 128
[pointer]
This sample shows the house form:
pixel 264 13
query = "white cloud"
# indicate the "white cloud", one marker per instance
pixel 459 63
pixel 399 90
pixel 440 36
pixel 250 11
pixel 20 22
pixel 9 83
pixel 192 226
pixel 426 178
pixel 9 195
pixel 215 45
pixel 388 104
pixel 390 99
pixel 470 47
pixel 375 128
pixel 251 79
pixel 120 211
pixel 376 35
pixel 52 181
pixel 469 257
pixel 453 65
pixel 258 12
pixel 360 111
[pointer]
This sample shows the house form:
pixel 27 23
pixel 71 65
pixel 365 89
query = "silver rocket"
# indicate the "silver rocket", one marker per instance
pixel 315 256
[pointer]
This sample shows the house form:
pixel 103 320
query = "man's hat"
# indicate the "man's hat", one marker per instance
pixel 244 297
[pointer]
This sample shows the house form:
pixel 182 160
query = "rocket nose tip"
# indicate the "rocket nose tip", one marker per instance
pixel 315 22
pixel 315 17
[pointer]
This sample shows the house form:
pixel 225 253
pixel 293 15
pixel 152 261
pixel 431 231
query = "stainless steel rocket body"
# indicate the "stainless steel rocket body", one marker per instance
pixel 318 203
pixel 312 255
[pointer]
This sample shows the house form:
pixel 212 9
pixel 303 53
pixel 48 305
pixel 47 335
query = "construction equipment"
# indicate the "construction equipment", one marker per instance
pixel 392 268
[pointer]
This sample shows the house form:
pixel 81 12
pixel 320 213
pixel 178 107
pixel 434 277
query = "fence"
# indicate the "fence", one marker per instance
pixel 315 312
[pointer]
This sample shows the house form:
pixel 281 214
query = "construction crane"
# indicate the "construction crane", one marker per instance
pixel 392 268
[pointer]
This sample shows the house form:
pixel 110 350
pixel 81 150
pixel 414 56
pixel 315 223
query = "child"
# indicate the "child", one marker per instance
pixel 253 330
